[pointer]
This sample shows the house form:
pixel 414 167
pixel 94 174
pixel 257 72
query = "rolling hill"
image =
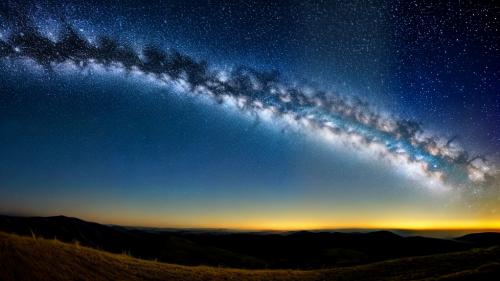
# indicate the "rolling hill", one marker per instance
pixel 292 250
pixel 28 258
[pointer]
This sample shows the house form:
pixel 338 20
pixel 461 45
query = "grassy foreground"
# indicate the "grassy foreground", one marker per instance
pixel 26 258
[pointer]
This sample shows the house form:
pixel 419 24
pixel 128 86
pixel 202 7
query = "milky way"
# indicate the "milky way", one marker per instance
pixel 340 120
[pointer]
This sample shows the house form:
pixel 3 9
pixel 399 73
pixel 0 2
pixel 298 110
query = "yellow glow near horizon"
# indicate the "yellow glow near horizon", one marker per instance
pixel 288 224
pixel 294 216
pixel 416 225
pixel 285 225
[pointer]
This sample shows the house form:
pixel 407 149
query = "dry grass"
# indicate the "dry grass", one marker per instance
pixel 28 258
pixel 23 258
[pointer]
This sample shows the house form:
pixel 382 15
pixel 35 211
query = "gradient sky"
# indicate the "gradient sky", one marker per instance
pixel 116 148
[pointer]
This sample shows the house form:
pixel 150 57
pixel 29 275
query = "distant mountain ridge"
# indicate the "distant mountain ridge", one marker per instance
pixel 302 249
pixel 25 258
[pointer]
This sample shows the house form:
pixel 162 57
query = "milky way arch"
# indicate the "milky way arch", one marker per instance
pixel 346 121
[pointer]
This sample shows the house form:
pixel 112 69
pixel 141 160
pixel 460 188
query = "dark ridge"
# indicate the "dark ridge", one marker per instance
pixel 382 234
pixel 302 249
pixel 23 258
pixel 483 239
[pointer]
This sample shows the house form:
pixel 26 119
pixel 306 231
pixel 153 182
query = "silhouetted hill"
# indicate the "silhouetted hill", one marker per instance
pixel 161 245
pixel 302 249
pixel 482 239
pixel 25 258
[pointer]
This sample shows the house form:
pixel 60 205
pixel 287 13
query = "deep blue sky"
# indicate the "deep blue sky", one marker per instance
pixel 99 145
pixel 436 63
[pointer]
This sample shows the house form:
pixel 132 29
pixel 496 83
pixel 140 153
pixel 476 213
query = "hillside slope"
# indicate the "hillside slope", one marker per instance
pixel 25 258
pixel 291 250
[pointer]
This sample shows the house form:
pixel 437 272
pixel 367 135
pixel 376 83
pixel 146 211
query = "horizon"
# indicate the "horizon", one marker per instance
pixel 427 232
pixel 274 116
pixel 249 140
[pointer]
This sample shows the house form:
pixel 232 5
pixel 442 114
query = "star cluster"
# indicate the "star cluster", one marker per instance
pixel 339 119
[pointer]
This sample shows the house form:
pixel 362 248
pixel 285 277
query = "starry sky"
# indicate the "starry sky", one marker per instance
pixel 252 115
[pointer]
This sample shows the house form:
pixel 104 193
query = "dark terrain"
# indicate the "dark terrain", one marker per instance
pixel 291 250
pixel 27 258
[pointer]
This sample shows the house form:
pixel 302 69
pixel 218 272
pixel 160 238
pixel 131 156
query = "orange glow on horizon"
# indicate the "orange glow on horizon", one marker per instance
pixel 288 221
pixel 493 225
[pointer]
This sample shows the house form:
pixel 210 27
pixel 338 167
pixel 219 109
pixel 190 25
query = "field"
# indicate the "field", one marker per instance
pixel 31 258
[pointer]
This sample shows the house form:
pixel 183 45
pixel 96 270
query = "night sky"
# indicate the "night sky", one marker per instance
pixel 253 115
